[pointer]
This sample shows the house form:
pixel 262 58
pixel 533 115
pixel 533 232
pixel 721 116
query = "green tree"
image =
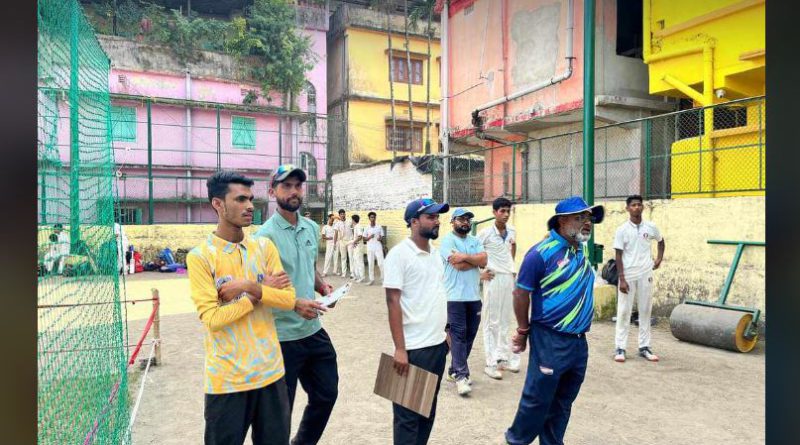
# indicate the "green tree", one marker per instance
pixel 387 6
pixel 425 9
pixel 279 54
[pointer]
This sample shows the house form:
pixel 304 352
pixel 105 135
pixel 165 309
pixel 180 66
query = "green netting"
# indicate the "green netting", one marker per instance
pixel 83 386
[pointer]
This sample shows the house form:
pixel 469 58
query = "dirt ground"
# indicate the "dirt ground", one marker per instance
pixel 695 394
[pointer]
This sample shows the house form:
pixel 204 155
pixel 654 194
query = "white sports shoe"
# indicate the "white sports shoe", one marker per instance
pixel 463 388
pixel 492 372
pixel 503 365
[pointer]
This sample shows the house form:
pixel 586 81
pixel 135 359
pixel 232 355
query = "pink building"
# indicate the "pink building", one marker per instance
pixel 518 66
pixel 186 121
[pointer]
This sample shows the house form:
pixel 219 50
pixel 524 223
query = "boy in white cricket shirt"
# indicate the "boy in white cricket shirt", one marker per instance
pixel 635 266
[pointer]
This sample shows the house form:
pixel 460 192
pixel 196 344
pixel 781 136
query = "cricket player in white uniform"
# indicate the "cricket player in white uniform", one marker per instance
pixel 635 266
pixel 329 237
pixel 500 243
pixel 373 234
pixel 340 251
pixel 357 245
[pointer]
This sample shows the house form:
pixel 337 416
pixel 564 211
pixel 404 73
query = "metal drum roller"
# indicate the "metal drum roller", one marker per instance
pixel 718 324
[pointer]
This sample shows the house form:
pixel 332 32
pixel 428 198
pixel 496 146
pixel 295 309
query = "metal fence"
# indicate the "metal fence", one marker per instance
pixel 701 152
pixel 164 150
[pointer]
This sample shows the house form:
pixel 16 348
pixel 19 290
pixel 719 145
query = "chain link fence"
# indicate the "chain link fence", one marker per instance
pixel 702 152
pixel 163 158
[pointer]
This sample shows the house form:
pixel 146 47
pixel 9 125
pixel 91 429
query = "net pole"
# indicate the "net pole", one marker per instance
pixel 74 153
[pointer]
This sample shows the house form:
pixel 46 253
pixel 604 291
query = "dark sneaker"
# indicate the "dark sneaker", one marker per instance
pixel 619 356
pixel 648 354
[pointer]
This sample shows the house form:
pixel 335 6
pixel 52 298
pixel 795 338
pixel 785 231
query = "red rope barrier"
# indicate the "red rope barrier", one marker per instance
pixel 156 304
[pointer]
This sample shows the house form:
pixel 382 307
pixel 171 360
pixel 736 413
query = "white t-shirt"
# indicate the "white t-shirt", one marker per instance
pixel 423 298
pixel 328 231
pixel 358 230
pixel 634 242
pixel 499 249
pixel 347 234
pixel 338 225
pixel 376 230
pixel 63 243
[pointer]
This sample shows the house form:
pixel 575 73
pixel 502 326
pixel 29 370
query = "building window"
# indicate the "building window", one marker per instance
pixel 404 138
pixel 309 164
pixel 123 124
pixel 127 215
pixel 629 28
pixel 311 101
pixel 243 132
pixel 729 117
pixel 400 70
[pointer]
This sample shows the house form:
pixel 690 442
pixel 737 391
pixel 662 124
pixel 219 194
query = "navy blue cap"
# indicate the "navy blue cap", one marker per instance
pixel 423 206
pixel 461 212
pixel 573 205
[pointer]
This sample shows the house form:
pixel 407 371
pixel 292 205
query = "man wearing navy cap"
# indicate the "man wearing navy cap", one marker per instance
pixel 417 303
pixel 557 280
pixel 462 255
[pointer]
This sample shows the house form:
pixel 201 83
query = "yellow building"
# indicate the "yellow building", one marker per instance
pixel 359 88
pixel 711 52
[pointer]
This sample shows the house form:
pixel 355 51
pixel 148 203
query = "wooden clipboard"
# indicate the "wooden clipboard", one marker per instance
pixel 414 391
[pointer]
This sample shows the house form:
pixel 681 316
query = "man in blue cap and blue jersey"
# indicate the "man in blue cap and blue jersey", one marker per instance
pixel 557 280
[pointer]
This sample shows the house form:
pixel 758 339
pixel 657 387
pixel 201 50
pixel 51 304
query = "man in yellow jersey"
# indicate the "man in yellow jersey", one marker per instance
pixel 236 281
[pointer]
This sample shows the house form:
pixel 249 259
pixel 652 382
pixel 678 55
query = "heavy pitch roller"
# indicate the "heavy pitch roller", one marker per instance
pixel 718 324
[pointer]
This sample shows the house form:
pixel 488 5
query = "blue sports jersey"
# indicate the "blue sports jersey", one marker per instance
pixel 561 280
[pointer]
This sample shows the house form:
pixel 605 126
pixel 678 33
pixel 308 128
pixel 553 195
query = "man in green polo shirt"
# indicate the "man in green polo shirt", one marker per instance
pixel 308 353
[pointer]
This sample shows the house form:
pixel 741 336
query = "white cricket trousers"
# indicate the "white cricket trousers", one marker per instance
pixel 358 261
pixel 497 311
pixel 330 249
pixel 374 253
pixel 640 289
pixel 346 255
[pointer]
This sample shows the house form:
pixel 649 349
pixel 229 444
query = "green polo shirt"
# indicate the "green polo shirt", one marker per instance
pixel 298 247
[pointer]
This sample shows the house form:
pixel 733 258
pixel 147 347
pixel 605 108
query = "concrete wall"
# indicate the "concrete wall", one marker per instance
pixel 369 65
pixel 691 269
pixel 739 50
pixel 536 39
pixel 368 124
pixel 377 187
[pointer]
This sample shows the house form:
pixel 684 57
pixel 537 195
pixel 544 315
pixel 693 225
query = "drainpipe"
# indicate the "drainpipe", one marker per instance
pixel 504 44
pixel 553 80
pixel 444 115
pixel 708 119
pixel 187 156
pixel 588 116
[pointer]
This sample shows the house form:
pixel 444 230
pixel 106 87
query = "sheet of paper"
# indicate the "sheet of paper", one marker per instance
pixel 414 390
pixel 336 295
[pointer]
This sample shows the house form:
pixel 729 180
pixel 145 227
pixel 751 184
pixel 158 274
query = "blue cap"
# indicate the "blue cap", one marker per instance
pixel 461 212
pixel 423 206
pixel 573 205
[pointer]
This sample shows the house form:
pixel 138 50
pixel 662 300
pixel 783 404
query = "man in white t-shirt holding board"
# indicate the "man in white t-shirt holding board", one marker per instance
pixel 417 301
pixel 635 266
